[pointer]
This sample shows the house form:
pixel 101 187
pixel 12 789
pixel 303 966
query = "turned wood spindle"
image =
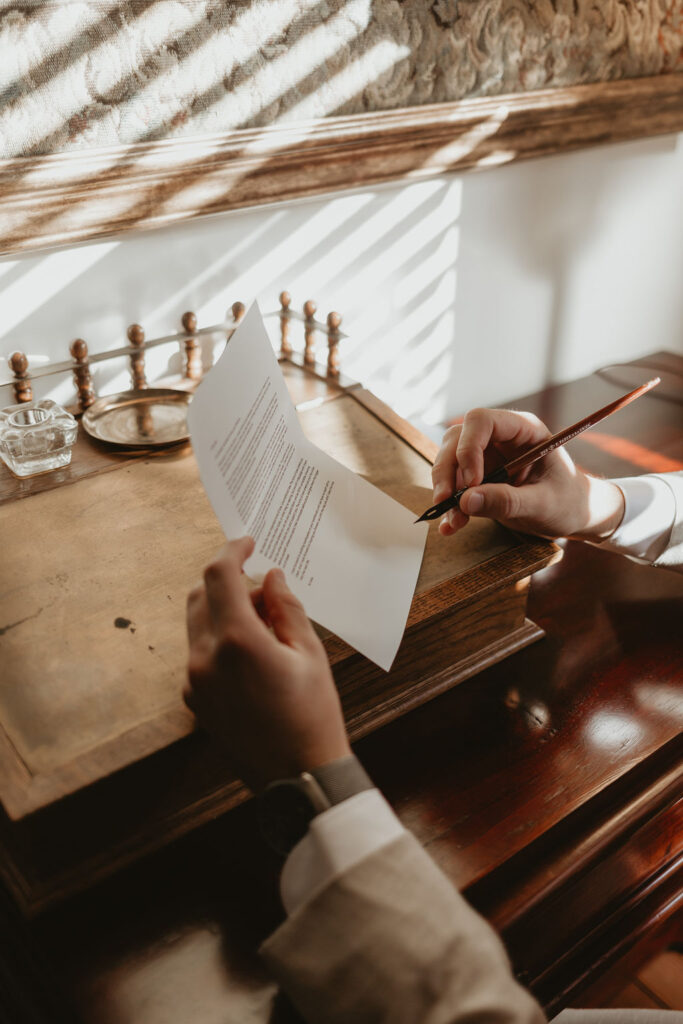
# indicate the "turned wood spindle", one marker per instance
pixel 23 392
pixel 309 331
pixel 333 324
pixel 82 375
pixel 285 343
pixel 237 309
pixel 193 352
pixel 136 336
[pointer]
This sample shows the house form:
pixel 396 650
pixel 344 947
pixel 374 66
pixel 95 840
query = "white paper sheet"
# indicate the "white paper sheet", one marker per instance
pixel 350 553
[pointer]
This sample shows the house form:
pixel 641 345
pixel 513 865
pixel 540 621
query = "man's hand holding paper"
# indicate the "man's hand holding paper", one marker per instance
pixel 350 553
pixel 280 713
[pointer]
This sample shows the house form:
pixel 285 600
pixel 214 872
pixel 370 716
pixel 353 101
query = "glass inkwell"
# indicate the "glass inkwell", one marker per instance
pixel 36 437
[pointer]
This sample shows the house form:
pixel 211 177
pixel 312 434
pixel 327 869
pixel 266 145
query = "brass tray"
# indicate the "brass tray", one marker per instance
pixel 149 418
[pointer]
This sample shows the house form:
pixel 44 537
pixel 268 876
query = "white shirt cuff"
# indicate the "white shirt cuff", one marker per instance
pixel 649 516
pixel 336 840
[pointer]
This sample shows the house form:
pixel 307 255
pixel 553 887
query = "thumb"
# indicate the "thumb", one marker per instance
pixel 285 611
pixel 495 501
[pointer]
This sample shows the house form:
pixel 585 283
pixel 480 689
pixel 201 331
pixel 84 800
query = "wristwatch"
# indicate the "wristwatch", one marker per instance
pixel 287 806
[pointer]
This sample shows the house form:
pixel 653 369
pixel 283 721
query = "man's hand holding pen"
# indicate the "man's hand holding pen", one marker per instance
pixel 551 498
pixel 516 444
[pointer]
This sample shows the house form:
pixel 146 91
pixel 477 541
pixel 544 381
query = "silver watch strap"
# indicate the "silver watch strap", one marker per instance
pixel 342 778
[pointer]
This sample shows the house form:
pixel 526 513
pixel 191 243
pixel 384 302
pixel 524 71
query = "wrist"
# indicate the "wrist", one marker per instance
pixel 605 506
pixel 309 758
pixel 342 778
pixel 288 805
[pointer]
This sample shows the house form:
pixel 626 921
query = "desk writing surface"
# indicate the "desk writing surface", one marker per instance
pixel 95 578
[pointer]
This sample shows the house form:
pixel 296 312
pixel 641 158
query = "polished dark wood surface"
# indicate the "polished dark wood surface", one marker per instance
pixel 548 787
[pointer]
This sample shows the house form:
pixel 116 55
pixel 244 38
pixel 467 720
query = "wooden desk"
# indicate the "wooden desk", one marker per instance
pixel 547 787
pixel 93 727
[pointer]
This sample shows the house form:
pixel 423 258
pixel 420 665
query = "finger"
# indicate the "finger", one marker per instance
pixel 503 502
pixel 445 466
pixel 452 522
pixel 537 468
pixel 483 427
pixel 453 519
pixel 457 519
pixel 260 605
pixel 227 596
pixel 197 616
pixel 286 613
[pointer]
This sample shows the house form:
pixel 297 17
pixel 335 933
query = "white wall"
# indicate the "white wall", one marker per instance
pixel 567 264
pixel 456 291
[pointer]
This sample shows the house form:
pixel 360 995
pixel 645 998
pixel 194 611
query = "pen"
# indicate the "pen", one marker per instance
pixel 504 473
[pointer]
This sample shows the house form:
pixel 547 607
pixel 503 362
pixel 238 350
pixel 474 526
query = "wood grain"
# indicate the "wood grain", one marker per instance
pixel 73 197
pixel 88 458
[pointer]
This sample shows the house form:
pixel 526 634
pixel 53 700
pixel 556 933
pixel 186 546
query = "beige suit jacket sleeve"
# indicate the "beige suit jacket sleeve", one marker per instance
pixel 392 940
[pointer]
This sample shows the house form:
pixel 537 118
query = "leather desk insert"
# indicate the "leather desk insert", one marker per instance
pixel 94 649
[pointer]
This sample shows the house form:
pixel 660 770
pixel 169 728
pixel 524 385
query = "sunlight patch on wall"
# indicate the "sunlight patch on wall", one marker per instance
pixel 214 276
pixel 349 82
pixel 429 268
pixel 267 85
pixel 68 93
pixel 402 336
pixel 365 237
pixel 286 253
pixel 43 278
pixel 384 258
